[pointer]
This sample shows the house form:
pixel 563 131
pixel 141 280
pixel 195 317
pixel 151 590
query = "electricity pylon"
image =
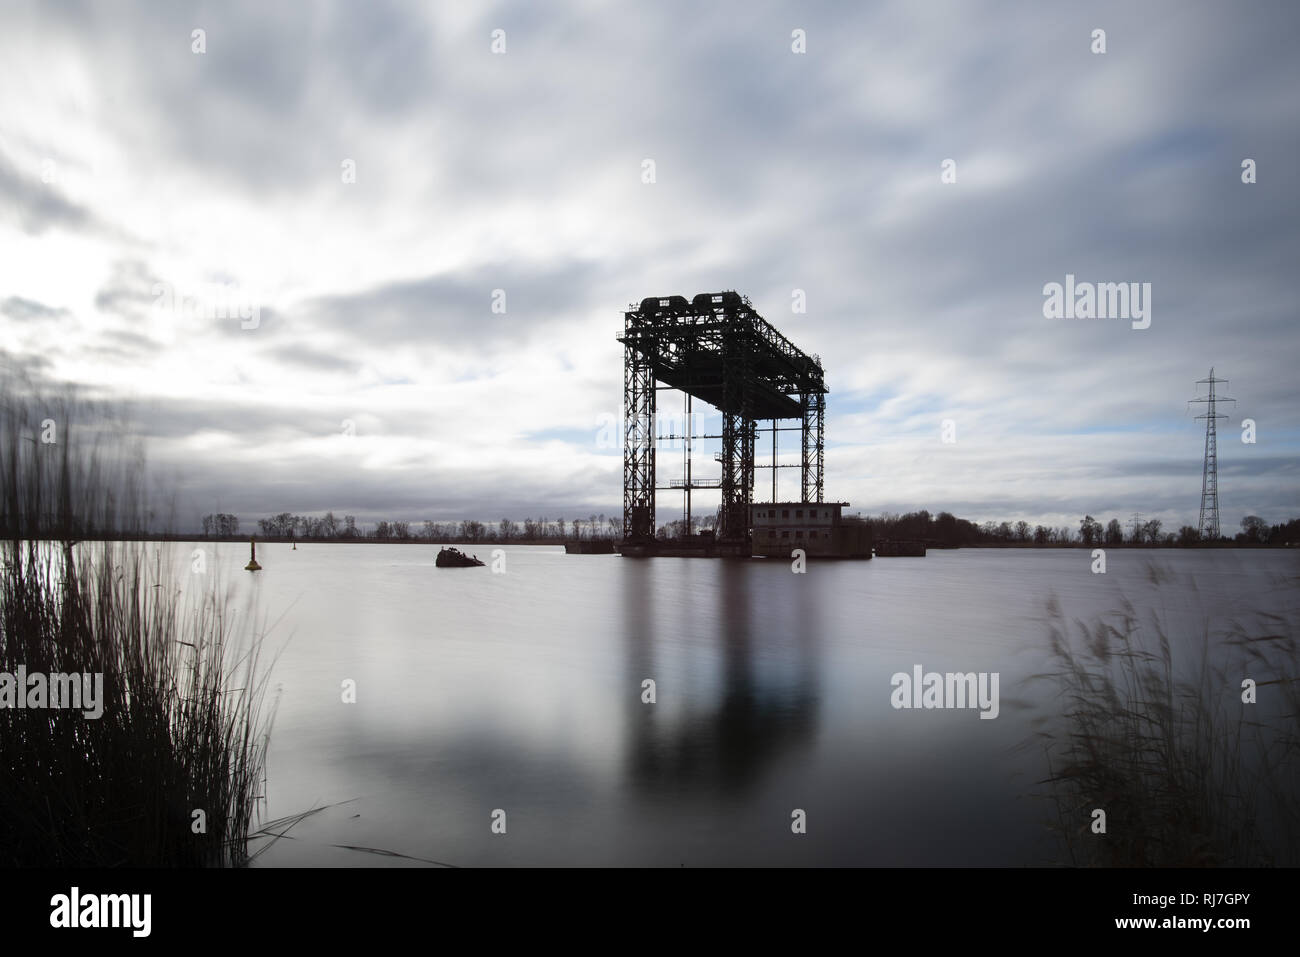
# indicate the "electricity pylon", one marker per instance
pixel 1208 524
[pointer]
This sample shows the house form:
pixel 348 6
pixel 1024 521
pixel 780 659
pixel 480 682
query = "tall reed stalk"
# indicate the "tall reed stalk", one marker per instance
pixel 170 774
pixel 1154 732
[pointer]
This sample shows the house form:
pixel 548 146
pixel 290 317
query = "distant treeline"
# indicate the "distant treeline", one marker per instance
pixel 946 529
pixel 943 529
pixel 329 527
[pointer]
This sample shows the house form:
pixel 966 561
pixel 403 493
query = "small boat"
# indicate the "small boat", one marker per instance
pixel 454 558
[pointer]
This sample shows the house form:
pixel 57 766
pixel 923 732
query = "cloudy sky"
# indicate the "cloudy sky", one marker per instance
pixel 359 179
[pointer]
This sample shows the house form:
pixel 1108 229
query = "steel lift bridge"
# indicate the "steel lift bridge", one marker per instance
pixel 718 349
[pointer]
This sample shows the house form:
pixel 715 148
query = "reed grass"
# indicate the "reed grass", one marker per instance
pixel 1153 730
pixel 184 725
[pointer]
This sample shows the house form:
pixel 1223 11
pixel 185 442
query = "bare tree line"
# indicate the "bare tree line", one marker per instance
pixel 941 529
pixel 946 529
pixel 329 527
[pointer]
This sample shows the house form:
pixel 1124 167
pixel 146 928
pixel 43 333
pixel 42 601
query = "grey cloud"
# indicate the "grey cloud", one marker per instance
pixel 125 345
pixel 261 109
pixel 129 289
pixel 456 310
pixel 775 171
pixel 307 357
pixel 18 366
pixel 16 307
pixel 36 206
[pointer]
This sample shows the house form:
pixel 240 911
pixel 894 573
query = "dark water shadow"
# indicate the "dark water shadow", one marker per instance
pixel 759 715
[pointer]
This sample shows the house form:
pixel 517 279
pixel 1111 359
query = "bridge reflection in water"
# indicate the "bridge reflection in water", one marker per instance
pixel 764 699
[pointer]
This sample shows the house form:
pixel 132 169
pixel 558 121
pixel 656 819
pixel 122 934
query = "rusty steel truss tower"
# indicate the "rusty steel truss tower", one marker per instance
pixel 716 348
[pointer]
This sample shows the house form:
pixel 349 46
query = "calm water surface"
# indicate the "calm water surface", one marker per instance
pixel 522 692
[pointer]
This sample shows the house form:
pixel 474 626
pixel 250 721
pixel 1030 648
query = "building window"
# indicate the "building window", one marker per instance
pixel 771 513
pixel 798 534
pixel 785 513
pixel 798 513
pixel 785 534
pixel 812 534
pixel 771 533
